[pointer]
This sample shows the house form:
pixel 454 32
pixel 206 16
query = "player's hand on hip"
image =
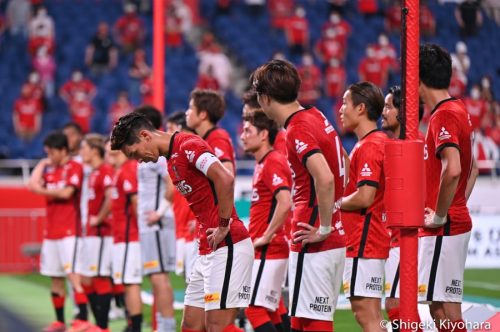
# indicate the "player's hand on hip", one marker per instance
pixel 307 235
pixel 262 241
pixel 216 235
pixel 93 221
pixel 432 220
pixel 152 217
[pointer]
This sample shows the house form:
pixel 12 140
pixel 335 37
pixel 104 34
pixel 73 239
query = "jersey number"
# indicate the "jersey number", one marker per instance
pixel 340 158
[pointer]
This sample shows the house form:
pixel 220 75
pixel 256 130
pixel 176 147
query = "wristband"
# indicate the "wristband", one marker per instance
pixel 224 222
pixel 162 207
pixel 437 220
pixel 325 230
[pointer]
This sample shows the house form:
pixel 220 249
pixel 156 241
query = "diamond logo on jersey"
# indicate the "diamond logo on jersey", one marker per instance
pixel 277 180
pixel 175 155
pixel 444 134
pixel 190 155
pixel 300 146
pixel 127 186
pixel 108 181
pixel 74 180
pixel 218 152
pixel 366 171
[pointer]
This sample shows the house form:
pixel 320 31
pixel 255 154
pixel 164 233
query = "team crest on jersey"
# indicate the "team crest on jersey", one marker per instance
pixel 277 180
pixel 190 155
pixel 127 186
pixel 74 180
pixel 444 134
pixel 218 152
pixel 300 146
pixel 366 171
pixel 175 155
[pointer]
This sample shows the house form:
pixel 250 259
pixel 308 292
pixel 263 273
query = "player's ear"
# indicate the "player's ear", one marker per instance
pixel 145 135
pixel 203 115
pixel 264 134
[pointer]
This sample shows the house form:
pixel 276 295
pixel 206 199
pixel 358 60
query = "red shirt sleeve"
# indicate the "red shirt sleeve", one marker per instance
pixel 276 177
pixel 222 149
pixel 74 176
pixel 129 183
pixel 304 144
pixel 369 165
pixel 193 148
pixel 445 131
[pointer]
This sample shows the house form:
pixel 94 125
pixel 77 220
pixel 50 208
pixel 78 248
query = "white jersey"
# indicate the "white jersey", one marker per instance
pixel 84 195
pixel 151 190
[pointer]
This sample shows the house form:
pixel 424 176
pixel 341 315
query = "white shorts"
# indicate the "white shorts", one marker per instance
pixel 190 254
pixel 96 256
pixel 61 257
pixel 314 282
pixel 158 251
pixel 441 264
pixel 179 256
pixel 392 273
pixel 127 267
pixel 364 277
pixel 222 279
pixel 268 276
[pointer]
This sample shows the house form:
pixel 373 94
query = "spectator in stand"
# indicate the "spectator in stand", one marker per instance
pixel 27 115
pixel 77 84
pixel 492 9
pixel 280 10
pixel 476 107
pixel 101 55
pixel 121 107
pixel 386 52
pixel 392 19
pixel 255 7
pixel 81 111
pixel 458 83
pixel 311 82
pixel 484 149
pixel 139 70
pixel 469 17
pixel 146 89
pixel 493 130
pixel 223 7
pixel 372 69
pixel 487 92
pixel 460 59
pixel 335 79
pixel 2 29
pixel 220 63
pixel 207 81
pixel 173 28
pixel 129 29
pixel 297 31
pixel 45 66
pixel 35 88
pixel 18 14
pixel 427 21
pixel 367 7
pixel 185 15
pixel 341 27
pixel 329 47
pixel 336 6
pixel 207 42
pixel 41 32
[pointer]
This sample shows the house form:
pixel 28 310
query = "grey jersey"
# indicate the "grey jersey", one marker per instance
pixel 84 195
pixel 151 190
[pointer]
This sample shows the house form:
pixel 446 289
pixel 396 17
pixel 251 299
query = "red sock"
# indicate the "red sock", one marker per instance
pixel 393 314
pixel 257 316
pixel 316 325
pixel 88 289
pixel 282 310
pixel 102 285
pixel 118 289
pixel 232 328
pixel 58 303
pixel 296 324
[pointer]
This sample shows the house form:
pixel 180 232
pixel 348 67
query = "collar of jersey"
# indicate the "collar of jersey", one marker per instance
pixel 209 132
pixel 171 145
pixel 287 121
pixel 441 103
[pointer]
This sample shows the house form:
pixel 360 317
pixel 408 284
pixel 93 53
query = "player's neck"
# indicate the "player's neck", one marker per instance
pixel 96 163
pixel 203 128
pixel 363 128
pixel 64 160
pixel 433 97
pixel 285 111
pixel 164 142
pixel 262 151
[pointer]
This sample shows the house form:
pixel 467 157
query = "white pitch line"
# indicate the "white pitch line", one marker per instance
pixel 481 284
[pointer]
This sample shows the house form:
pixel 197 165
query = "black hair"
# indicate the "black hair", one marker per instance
pixel 179 118
pixel 435 66
pixel 260 121
pixel 126 130
pixel 153 114
pixel 370 95
pixel 395 91
pixel 74 126
pixel 277 79
pixel 56 140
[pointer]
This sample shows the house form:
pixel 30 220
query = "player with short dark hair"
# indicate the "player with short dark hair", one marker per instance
pixel 220 281
pixel 317 162
pixel 269 212
pixel 449 182
pixel 206 108
pixel 363 205
pixel 59 179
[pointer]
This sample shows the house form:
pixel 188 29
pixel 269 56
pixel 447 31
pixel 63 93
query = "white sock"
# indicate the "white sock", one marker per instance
pixel 165 324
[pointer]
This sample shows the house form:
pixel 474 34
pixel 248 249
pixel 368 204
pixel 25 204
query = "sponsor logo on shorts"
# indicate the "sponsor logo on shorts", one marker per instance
pixel 321 304
pixel 214 297
pixel 151 264
pixel 117 275
pixel 67 266
pixel 346 286
pixel 455 288
pixel 272 297
pixel 245 293
pixel 388 286
pixel 93 268
pixel 375 284
pixel 422 289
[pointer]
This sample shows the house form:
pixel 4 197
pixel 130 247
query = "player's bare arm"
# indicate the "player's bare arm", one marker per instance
pixel 224 189
pixel 229 166
pixel 283 206
pixel 325 193
pixel 165 203
pixel 474 172
pixel 104 211
pixel 36 179
pixel 362 198
pixel 347 163
pixel 450 176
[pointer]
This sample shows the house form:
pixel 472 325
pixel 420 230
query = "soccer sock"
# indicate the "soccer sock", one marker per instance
pixel 316 325
pixel 58 303
pixel 276 320
pixel 295 324
pixel 91 296
pixel 232 328
pixel 394 316
pixel 119 292
pixel 259 316
pixel 136 321
pixel 165 324
pixel 285 319
pixel 81 301
pixel 103 296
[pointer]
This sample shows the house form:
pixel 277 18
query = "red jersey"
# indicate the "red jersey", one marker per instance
pixel 330 48
pixel 477 109
pixel 63 215
pixel 124 218
pixel 335 78
pixel 184 152
pixel 280 10
pixel 27 111
pixel 208 82
pixel 35 90
pixel 183 216
pixel 81 112
pixel 367 235
pixel 342 31
pixel 280 142
pixel 449 126
pixel 297 30
pixel 130 28
pixel 100 180
pixel 309 132
pixel 220 141
pixel 458 84
pixel 271 175
pixel 118 110
pixel 71 88
pixel 147 90
pixel 373 70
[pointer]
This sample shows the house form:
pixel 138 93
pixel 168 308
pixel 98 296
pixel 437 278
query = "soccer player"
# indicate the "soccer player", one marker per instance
pixel 316 156
pixel 98 241
pixel 157 228
pixel 127 264
pixel 448 167
pixel 185 220
pixel 206 108
pixel 221 276
pixel 59 179
pixel 363 205
pixel 270 209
